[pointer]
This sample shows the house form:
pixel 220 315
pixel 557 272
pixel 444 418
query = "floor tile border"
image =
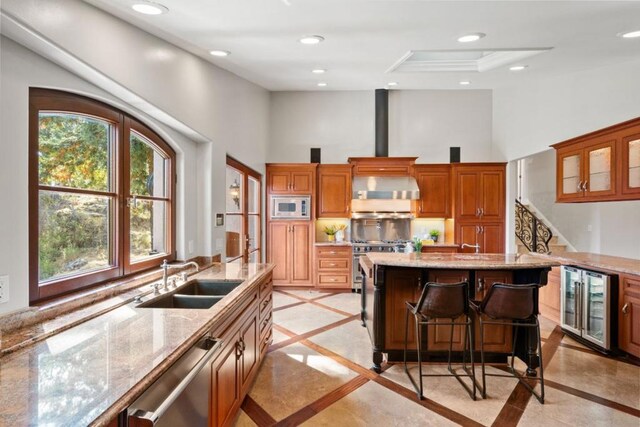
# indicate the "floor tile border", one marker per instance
pixel 257 414
pixel 294 338
pixel 283 307
pixel 593 398
pixel 314 302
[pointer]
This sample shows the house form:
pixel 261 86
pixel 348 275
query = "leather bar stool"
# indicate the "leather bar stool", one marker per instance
pixel 440 301
pixel 511 305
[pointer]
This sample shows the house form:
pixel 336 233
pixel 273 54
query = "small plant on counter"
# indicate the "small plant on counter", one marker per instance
pixel 330 231
pixel 434 235
pixel 417 244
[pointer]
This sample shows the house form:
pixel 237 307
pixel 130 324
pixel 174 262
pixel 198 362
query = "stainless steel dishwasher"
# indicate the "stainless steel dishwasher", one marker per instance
pixel 181 396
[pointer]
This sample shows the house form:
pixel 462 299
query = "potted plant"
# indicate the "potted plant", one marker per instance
pixel 330 231
pixel 434 235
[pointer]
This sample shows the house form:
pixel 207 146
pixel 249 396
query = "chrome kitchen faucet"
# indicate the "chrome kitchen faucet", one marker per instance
pixel 165 270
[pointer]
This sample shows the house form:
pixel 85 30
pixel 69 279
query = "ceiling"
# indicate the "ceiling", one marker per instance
pixel 364 39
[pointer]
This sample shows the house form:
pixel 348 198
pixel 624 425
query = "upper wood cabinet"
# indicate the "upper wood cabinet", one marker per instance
pixel 479 192
pixel 434 182
pixel 334 191
pixel 382 166
pixel 600 166
pixel 291 178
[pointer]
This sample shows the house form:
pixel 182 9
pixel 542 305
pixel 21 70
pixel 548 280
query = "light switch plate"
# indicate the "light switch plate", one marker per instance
pixel 4 289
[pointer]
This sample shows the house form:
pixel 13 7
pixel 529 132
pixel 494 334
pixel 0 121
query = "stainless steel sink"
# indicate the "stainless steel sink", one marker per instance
pixel 182 301
pixel 208 287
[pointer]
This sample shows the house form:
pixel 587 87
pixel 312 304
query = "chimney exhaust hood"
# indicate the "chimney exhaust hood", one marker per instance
pixel 385 187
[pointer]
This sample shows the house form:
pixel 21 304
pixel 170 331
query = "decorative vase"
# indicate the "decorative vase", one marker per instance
pixel 434 238
pixel 340 236
pixel 331 237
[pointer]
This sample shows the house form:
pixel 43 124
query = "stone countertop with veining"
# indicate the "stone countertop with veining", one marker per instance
pixel 89 373
pixel 461 261
pixel 596 261
pixel 333 244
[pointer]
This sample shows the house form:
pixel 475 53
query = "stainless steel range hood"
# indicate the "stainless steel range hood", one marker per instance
pixel 385 187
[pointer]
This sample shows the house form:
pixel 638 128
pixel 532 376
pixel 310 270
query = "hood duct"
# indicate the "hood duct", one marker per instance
pixel 385 187
pixel 382 123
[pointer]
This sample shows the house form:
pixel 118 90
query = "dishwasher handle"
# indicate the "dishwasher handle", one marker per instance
pixel 142 418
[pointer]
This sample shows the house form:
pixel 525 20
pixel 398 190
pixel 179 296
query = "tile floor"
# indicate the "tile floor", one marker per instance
pixel 317 374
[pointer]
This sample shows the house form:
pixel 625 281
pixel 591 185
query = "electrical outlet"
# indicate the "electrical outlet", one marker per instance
pixel 4 289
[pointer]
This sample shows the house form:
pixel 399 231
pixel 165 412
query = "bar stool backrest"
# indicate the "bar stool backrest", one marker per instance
pixel 443 300
pixel 507 301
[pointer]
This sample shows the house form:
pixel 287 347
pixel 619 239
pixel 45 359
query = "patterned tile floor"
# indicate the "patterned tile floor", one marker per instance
pixel 317 374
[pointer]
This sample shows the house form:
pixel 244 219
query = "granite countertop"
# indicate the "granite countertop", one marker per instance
pixel 596 261
pixel 333 244
pixel 461 261
pixel 441 245
pixel 89 373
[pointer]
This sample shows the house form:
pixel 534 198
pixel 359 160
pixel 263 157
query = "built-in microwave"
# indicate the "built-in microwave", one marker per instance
pixel 290 207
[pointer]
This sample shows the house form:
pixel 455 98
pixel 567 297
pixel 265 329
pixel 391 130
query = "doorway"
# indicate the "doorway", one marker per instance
pixel 243 212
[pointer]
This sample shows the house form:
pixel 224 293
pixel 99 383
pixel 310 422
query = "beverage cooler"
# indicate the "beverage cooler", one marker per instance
pixel 587 306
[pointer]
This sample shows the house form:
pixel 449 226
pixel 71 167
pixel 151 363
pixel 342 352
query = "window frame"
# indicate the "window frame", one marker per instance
pixel 66 102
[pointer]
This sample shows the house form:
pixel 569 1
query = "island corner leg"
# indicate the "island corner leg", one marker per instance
pixel 377 361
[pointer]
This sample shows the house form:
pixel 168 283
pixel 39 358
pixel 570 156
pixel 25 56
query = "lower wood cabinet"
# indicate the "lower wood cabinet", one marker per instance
pixel 289 248
pixel 438 336
pixel 245 341
pixel 407 286
pixel 629 314
pixel 549 296
pixel 497 338
pixel 431 249
pixel 333 267
pixel 490 236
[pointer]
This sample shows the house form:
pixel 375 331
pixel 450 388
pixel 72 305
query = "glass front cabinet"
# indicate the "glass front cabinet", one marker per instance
pixel 600 166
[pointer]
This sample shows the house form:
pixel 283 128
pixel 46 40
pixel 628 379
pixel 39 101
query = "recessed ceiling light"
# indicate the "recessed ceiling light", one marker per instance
pixel 311 39
pixel 392 84
pixel 318 71
pixel 471 37
pixel 150 8
pixel 518 67
pixel 322 84
pixel 465 82
pixel 220 53
pixel 630 35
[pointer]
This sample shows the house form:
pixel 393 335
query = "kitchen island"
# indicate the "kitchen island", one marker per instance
pixel 390 279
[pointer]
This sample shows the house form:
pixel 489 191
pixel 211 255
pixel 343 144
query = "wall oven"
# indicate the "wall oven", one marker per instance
pixel 290 207
pixel 587 306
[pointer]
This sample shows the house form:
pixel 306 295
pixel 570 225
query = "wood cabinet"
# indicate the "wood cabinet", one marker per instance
pixel 291 178
pixel 600 166
pixel 431 249
pixel 289 248
pixel 549 296
pixel 490 237
pixel 334 267
pixel 236 366
pixel 404 285
pixel 334 191
pixel 629 314
pixel 479 192
pixel 497 338
pixel 434 182
pixel 382 166
pixel 438 336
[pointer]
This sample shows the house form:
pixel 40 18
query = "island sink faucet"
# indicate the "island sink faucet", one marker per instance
pixel 476 246
pixel 165 270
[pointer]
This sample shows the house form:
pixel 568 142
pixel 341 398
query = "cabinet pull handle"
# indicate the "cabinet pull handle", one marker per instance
pixel 482 229
pixel 478 212
pixel 625 308
pixel 477 229
pixel 481 212
pixel 584 186
pixel 480 284
pixel 580 186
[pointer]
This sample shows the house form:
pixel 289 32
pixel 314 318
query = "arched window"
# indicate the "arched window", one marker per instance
pixel 101 194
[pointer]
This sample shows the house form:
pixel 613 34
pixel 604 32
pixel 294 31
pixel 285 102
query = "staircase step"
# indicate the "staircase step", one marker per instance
pixel 557 249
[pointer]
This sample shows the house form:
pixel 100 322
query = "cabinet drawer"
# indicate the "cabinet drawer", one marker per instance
pixel 333 264
pixel 333 251
pixel 266 288
pixel 265 306
pixel 630 284
pixel 265 324
pixel 265 342
pixel 333 279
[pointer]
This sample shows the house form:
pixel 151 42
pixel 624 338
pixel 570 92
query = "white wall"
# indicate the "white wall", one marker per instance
pixel 172 89
pixel 422 123
pixel 540 112
pixel 610 228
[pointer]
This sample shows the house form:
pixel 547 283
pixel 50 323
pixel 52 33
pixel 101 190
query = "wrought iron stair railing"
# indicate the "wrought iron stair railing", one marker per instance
pixel 532 232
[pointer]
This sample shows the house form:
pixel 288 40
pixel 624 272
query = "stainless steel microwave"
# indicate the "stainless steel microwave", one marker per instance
pixel 290 207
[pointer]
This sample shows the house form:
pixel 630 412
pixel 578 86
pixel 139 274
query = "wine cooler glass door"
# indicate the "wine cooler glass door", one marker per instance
pixel 595 317
pixel 570 301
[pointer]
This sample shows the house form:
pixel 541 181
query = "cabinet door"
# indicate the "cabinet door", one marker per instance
pixel 497 338
pixel 492 204
pixel 279 182
pixel 301 182
pixel 278 249
pixel 467 195
pixel 300 257
pixel 599 176
pixel 249 356
pixel 406 285
pixel 438 336
pixel 629 314
pixel 631 165
pixel 467 233
pixel 435 193
pixel 549 296
pixel 569 175
pixel 334 191
pixel 491 238
pixel 225 390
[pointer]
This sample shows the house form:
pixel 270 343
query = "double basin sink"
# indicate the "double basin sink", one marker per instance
pixel 196 294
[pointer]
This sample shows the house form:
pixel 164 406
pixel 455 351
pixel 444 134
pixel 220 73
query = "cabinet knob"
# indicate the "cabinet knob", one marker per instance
pixel 625 308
